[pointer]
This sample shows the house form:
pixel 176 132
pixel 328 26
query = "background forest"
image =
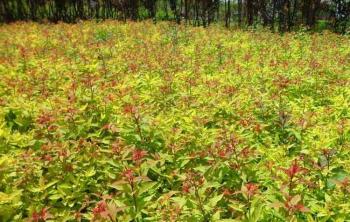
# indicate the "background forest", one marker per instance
pixel 281 15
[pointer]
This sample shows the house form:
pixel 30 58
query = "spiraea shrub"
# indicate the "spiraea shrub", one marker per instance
pixel 157 122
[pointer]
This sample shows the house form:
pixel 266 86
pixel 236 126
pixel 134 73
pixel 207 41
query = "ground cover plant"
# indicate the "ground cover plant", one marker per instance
pixel 141 122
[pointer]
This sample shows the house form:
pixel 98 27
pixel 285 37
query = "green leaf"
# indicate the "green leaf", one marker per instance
pixel 213 201
pixel 146 187
pixel 179 200
pixel 55 197
pixel 43 187
pixel 8 198
pixel 91 172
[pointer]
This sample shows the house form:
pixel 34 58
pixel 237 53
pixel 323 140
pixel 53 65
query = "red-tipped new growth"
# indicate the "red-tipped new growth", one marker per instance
pixel 137 155
pixel 252 188
pixel 129 175
pixel 293 170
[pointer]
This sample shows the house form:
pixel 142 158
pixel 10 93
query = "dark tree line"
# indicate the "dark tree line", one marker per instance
pixel 282 15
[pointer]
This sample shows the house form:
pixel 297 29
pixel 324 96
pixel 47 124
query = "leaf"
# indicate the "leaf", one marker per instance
pixel 113 209
pixel 276 205
pixel 256 208
pixel 91 172
pixel 142 179
pixel 201 169
pixel 216 216
pixel 184 162
pixel 119 185
pixel 168 195
pixel 82 108
pixel 295 200
pixel 110 162
pixel 148 198
pixel 213 201
pixel 145 187
pixel 304 209
pixel 179 200
pixel 236 206
pixel 42 187
pixel 310 218
pixel 8 198
pixel 295 133
pixel 55 197
pixel 212 185
pixel 4 160
pixel 322 161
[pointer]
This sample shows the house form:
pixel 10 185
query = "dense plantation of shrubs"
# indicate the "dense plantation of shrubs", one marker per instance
pixel 142 122
pixel 281 15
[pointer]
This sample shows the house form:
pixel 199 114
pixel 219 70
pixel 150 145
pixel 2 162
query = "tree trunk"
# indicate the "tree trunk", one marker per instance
pixel 240 7
pixel 250 12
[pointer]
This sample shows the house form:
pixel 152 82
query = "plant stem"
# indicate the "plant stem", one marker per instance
pixel 200 204
pixel 138 126
pixel 134 197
